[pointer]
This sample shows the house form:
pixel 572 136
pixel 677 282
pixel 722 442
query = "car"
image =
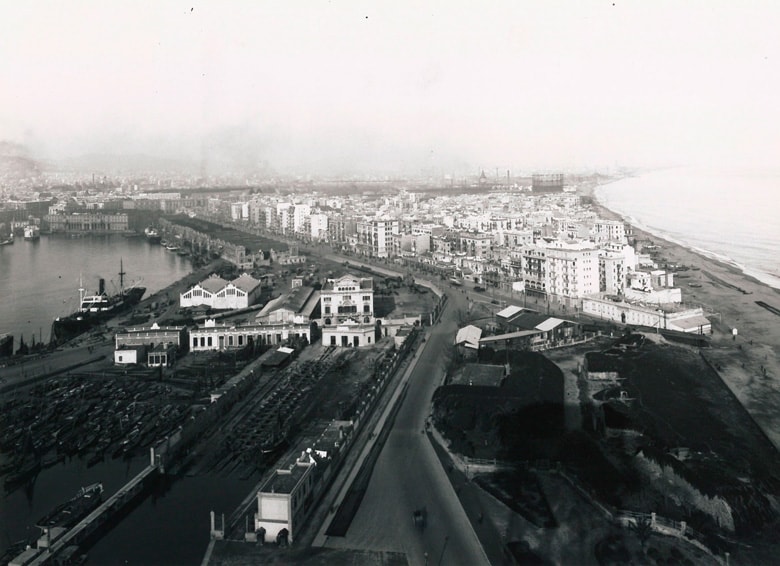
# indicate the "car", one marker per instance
pixel 419 517
pixel 478 288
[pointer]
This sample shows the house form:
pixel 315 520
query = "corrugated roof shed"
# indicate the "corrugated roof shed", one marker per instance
pixel 245 282
pixel 510 311
pixel 469 336
pixel 213 283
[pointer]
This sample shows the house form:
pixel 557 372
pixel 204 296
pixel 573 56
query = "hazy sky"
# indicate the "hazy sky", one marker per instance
pixel 350 86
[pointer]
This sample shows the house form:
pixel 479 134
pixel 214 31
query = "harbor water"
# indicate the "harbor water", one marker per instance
pixel 168 525
pixel 39 280
pixel 730 214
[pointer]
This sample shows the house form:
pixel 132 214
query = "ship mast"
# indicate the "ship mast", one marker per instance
pixel 121 278
pixel 81 291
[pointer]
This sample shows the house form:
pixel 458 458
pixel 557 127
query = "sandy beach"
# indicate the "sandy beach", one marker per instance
pixel 749 364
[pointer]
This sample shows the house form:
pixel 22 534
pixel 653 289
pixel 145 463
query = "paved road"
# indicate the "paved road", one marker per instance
pixel 408 475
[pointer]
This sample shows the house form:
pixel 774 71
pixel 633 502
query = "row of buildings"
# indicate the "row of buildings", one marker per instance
pixel 341 313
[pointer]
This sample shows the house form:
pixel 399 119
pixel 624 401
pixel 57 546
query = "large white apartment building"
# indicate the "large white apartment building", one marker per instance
pixel 609 231
pixel 319 226
pixel 300 218
pixel 572 268
pixel 375 236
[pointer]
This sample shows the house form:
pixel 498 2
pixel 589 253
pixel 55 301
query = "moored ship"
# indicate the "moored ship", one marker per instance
pixel 152 236
pixel 79 506
pixel 95 309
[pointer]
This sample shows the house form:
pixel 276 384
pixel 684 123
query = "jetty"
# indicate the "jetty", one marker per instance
pixel 55 541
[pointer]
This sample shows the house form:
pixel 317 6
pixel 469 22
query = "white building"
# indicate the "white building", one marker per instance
pixel 240 293
pixel 662 317
pixel 217 293
pixel 319 226
pixel 375 236
pixel 288 494
pixel 300 217
pixel 347 310
pixel 572 268
pixel 217 337
pixel 202 293
pixel 609 231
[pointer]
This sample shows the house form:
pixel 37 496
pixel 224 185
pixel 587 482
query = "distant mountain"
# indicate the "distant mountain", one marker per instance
pixel 16 162
pixel 135 163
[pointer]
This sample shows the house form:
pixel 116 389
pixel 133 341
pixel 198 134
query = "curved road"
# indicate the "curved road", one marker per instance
pixel 408 475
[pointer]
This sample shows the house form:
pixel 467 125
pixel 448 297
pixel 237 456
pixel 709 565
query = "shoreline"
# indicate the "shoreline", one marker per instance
pixel 650 232
pixel 749 363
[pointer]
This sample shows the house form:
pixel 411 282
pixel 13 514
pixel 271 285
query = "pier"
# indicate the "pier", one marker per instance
pixel 52 544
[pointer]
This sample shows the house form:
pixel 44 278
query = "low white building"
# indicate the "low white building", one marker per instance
pixel 217 337
pixel 217 293
pixel 287 496
pixel 129 355
pixel 240 293
pixel 662 317
pixel 202 294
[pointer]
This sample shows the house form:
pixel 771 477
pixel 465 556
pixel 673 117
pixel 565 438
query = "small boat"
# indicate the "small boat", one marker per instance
pixel 32 232
pixel 7 241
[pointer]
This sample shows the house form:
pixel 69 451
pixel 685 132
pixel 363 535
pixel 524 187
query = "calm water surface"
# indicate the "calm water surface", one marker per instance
pixel 730 214
pixel 39 280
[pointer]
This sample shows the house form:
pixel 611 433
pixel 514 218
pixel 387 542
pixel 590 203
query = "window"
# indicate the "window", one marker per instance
pixel 366 297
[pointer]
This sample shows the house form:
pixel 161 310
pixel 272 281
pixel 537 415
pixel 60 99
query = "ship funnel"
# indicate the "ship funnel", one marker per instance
pixel 101 286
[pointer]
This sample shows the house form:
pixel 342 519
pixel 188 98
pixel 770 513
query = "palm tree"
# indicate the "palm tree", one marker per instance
pixel 643 528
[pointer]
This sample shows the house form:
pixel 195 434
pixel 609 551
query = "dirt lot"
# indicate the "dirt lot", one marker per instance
pixel 720 467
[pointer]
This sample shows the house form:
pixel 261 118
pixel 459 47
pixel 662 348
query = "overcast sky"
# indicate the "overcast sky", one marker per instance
pixel 349 86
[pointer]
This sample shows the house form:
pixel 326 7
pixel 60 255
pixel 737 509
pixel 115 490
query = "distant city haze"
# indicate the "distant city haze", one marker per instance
pixel 344 88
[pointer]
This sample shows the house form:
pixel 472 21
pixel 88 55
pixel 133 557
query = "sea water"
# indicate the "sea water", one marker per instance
pixel 39 280
pixel 730 214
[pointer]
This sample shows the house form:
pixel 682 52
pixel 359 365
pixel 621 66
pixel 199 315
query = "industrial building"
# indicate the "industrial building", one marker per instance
pixel 152 345
pixel 217 293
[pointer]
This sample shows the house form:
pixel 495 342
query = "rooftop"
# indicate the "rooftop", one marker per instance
pixel 361 282
pixel 245 282
pixel 213 283
pixel 317 447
